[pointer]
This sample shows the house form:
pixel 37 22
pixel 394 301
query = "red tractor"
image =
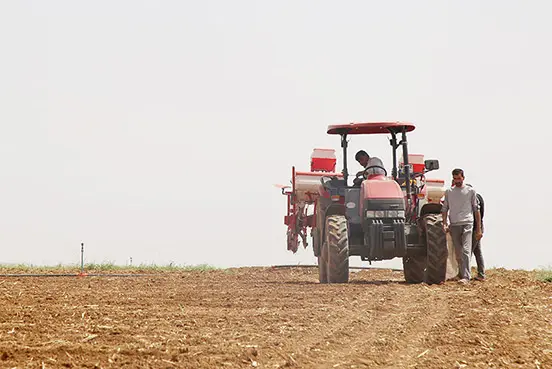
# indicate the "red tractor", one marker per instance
pixel 380 217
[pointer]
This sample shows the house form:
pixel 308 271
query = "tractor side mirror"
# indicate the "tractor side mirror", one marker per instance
pixel 432 164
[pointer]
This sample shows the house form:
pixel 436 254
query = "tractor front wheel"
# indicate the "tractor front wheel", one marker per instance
pixel 437 251
pixel 336 249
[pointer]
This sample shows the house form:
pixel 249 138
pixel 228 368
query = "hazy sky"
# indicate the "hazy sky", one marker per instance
pixel 156 129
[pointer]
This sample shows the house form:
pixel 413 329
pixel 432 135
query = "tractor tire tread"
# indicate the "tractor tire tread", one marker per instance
pixel 323 265
pixel 337 249
pixel 414 269
pixel 437 251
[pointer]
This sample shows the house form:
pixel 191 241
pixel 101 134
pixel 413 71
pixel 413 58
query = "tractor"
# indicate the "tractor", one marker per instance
pixel 377 217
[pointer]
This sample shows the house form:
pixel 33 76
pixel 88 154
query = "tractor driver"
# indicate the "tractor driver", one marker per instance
pixel 366 161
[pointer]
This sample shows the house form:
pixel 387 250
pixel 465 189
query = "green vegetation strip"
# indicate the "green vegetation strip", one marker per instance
pixel 73 269
pixel 544 275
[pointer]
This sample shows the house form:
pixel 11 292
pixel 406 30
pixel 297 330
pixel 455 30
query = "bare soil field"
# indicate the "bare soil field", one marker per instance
pixel 274 318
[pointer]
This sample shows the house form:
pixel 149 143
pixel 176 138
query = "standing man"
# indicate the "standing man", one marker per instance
pixel 461 204
pixel 476 249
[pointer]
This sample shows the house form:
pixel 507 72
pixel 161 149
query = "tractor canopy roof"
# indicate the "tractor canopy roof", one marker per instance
pixel 369 128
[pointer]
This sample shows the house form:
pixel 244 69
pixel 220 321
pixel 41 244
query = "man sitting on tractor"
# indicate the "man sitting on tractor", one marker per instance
pixel 373 166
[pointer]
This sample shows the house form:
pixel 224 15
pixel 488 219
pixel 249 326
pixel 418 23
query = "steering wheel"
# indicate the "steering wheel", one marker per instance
pixel 360 176
pixel 374 166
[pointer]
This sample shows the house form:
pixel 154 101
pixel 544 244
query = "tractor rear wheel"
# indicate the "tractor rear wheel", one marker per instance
pixel 414 268
pixel 437 251
pixel 336 249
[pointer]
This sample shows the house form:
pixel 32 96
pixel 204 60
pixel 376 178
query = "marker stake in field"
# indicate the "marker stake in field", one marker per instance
pixel 82 273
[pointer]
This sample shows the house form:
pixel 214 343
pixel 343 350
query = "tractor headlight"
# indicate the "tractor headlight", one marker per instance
pixel 376 214
pixel 392 213
pixel 384 213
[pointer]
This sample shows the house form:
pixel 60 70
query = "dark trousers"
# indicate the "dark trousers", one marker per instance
pixel 476 250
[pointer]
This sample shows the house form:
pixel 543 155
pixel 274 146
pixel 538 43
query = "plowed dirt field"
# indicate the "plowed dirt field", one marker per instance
pixel 274 318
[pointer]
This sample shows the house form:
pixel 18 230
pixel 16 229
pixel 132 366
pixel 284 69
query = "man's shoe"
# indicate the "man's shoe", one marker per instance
pixel 463 281
pixel 480 278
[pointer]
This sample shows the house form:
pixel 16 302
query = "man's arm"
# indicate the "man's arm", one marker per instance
pixel 481 211
pixel 478 228
pixel 475 207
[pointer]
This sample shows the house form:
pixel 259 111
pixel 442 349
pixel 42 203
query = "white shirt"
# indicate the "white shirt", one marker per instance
pixel 374 160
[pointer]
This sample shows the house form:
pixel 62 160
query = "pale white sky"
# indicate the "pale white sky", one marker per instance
pixel 155 129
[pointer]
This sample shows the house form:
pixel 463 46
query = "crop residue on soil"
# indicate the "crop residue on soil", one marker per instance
pixel 274 318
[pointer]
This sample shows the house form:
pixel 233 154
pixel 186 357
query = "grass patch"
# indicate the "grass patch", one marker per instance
pixel 544 275
pixel 172 267
pixel 105 267
pixel 30 268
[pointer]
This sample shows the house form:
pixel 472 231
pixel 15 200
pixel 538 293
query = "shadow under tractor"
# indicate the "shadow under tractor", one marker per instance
pixel 378 217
